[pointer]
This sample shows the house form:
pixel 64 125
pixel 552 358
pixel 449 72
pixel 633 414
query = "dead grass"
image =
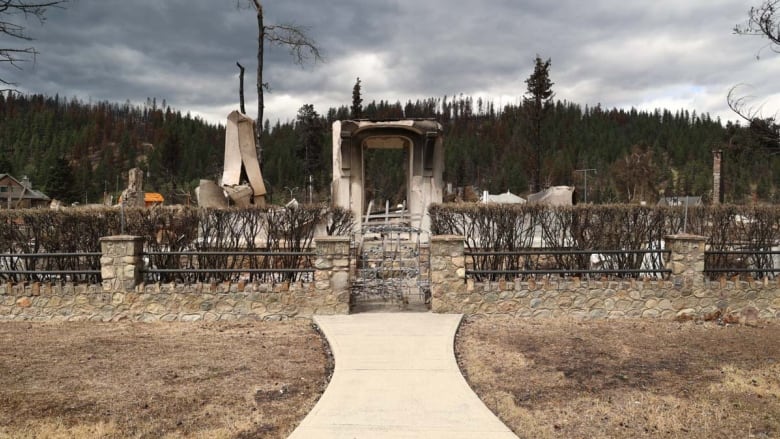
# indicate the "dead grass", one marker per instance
pixel 625 378
pixel 215 380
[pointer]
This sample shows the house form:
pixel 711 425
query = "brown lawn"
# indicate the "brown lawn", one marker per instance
pixel 202 380
pixel 544 378
pixel 625 378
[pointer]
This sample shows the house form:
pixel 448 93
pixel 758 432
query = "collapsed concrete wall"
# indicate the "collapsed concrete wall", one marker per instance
pixel 240 154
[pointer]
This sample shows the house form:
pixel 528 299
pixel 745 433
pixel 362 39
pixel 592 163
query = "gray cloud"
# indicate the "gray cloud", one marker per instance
pixel 630 54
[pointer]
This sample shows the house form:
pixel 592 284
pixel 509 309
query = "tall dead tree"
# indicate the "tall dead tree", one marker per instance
pixel 302 49
pixel 241 87
pixel 13 16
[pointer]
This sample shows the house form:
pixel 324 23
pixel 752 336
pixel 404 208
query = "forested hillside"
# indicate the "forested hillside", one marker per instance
pixel 74 150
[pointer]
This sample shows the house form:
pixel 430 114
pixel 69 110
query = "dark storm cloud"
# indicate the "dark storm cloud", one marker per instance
pixel 643 53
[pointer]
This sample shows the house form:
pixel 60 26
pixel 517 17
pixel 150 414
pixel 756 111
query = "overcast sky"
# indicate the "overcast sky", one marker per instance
pixel 645 53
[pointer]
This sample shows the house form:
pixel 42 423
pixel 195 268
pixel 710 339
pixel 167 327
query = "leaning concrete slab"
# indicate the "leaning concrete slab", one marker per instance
pixel 396 377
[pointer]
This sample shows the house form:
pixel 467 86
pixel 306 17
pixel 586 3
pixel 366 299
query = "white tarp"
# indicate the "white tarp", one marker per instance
pixel 554 196
pixel 505 198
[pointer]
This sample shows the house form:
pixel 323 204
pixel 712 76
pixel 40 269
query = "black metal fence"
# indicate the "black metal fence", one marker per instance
pixel 221 266
pixel 543 262
pixel 50 267
pixel 757 263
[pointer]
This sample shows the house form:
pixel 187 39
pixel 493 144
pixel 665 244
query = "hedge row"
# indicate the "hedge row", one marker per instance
pixel 500 227
pixel 173 229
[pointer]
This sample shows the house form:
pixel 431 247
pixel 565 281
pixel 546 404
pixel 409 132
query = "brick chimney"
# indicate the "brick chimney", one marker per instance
pixel 717 154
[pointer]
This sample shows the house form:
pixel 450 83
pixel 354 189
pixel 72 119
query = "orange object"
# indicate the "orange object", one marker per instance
pixel 152 198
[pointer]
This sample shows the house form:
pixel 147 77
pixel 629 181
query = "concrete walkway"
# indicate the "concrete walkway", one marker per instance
pixel 396 377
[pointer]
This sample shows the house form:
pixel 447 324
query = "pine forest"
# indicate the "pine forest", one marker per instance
pixel 78 152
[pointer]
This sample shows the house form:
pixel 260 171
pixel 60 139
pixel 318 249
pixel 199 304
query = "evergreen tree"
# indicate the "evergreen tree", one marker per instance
pixel 60 181
pixel 357 101
pixel 537 102
pixel 5 165
pixel 310 131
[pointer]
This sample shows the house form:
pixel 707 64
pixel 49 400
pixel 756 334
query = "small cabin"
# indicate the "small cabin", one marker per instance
pixel 16 194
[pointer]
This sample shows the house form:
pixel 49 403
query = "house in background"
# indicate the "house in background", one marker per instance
pixel 15 194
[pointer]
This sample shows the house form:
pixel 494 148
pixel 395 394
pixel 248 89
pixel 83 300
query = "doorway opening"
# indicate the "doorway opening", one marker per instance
pixel 385 177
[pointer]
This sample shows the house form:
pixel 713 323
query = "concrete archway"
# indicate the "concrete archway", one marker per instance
pixel 424 141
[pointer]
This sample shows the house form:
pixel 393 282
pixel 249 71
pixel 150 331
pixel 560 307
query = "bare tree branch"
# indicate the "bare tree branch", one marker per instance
pixel 302 48
pixel 762 21
pixel 13 16
pixel 764 128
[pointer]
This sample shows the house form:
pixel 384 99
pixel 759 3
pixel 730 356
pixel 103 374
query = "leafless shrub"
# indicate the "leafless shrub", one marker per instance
pixel 166 231
pixel 339 221
pixel 608 228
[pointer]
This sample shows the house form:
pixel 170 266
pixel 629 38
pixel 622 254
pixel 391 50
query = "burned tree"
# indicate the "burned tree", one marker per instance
pixel 241 87
pixel 301 46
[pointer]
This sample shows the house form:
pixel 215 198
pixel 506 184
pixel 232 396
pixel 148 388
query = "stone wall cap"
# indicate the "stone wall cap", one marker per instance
pixel 450 238
pixel 122 238
pixel 686 237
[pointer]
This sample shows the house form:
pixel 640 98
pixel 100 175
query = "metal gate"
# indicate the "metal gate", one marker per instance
pixel 392 269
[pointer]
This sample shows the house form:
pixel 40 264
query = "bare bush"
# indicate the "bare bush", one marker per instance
pixel 593 229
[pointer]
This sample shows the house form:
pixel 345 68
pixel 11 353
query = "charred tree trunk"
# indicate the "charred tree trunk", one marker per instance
pixel 241 87
pixel 260 104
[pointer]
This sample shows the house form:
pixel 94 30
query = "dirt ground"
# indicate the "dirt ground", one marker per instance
pixel 625 378
pixel 199 380
pixel 544 378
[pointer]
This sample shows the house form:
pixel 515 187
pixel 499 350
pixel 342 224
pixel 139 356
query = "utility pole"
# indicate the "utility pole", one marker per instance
pixel 585 175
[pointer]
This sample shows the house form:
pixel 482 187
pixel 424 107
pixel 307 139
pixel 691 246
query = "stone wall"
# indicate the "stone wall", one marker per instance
pixel 121 297
pixel 165 302
pixel 686 294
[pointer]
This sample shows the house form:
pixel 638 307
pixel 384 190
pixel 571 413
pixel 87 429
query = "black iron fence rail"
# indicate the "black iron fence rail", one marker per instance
pixel 208 266
pixel 571 271
pixel 758 262
pixel 81 267
pixel 742 270
pixel 742 252
pixel 235 253
pixel 560 252
pixel 523 266
pixel 229 270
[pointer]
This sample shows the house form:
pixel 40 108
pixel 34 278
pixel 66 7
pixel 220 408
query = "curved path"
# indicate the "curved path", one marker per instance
pixel 396 377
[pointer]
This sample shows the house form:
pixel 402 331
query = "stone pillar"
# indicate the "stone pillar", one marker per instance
pixel 121 263
pixel 687 260
pixel 448 272
pixel 332 275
